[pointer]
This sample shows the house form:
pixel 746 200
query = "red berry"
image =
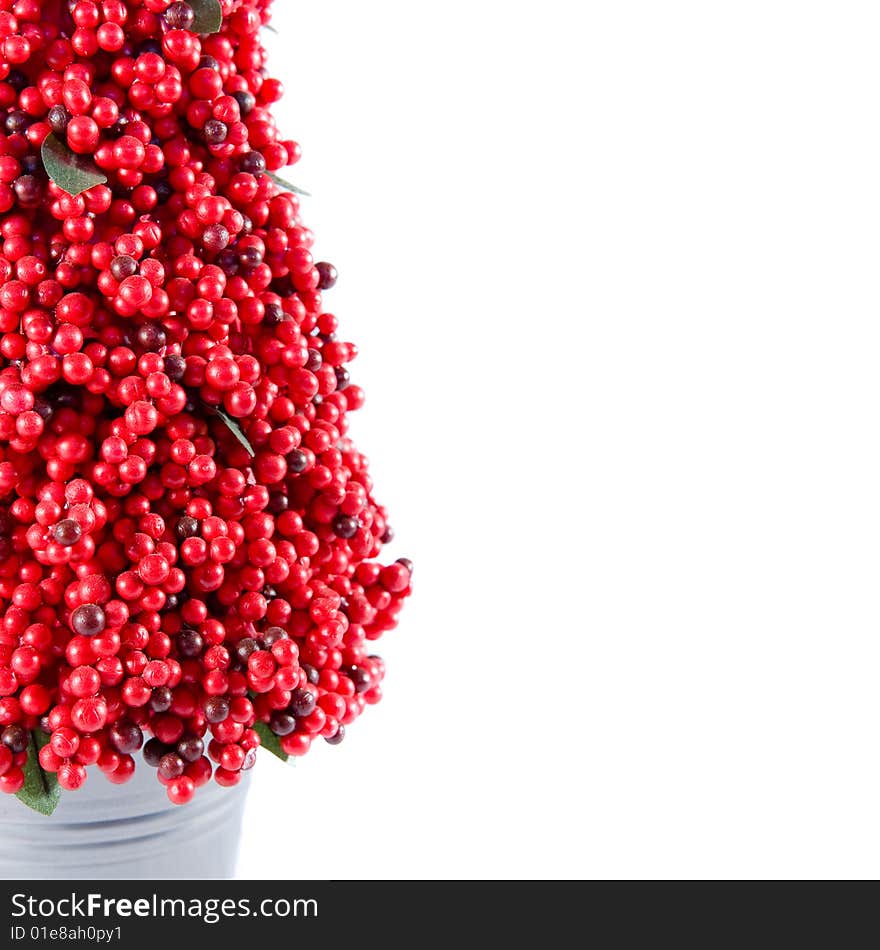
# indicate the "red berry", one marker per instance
pixel 77 96
pixel 135 292
pixel 12 781
pixel 84 681
pixel 89 715
pixel 154 569
pixel 83 134
pixel 297 743
pixel 71 776
pixel 181 790
pixel 141 418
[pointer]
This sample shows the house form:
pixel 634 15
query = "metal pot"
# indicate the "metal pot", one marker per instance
pixel 106 831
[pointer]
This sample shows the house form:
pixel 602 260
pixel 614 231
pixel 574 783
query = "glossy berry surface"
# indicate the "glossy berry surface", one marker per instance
pixel 189 539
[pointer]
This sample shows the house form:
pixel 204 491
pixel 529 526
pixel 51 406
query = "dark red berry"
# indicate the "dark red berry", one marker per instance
pixel 190 748
pixel 361 679
pixel 123 266
pixel 67 532
pixel 126 737
pixel 272 635
pixel 179 16
pixel 175 367
pixel 161 699
pixel 327 275
pixel 216 708
pixel 312 673
pixel 28 190
pixel 344 526
pixel 245 647
pixel 186 527
pixel 88 620
pixel 337 736
pixel 282 723
pixel 190 643
pixel 151 337
pixel 302 702
pixel 215 132
pixel 15 738
pixel 58 117
pixel 252 163
pixel 246 101
pixel 154 750
pixel 171 766
pixel 297 461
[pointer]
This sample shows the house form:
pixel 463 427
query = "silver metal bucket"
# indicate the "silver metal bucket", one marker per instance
pixel 108 831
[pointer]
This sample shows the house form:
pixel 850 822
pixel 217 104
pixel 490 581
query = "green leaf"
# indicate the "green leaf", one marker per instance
pixel 286 185
pixel 270 28
pixel 71 172
pixel 209 16
pixel 270 741
pixel 234 427
pixel 41 790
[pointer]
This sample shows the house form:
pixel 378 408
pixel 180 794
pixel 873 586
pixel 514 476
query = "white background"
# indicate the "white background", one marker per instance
pixel 613 269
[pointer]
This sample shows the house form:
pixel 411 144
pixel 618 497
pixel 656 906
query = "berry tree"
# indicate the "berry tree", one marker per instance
pixel 187 535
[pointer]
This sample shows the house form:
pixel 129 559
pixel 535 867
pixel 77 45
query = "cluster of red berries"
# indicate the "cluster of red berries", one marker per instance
pixel 187 535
